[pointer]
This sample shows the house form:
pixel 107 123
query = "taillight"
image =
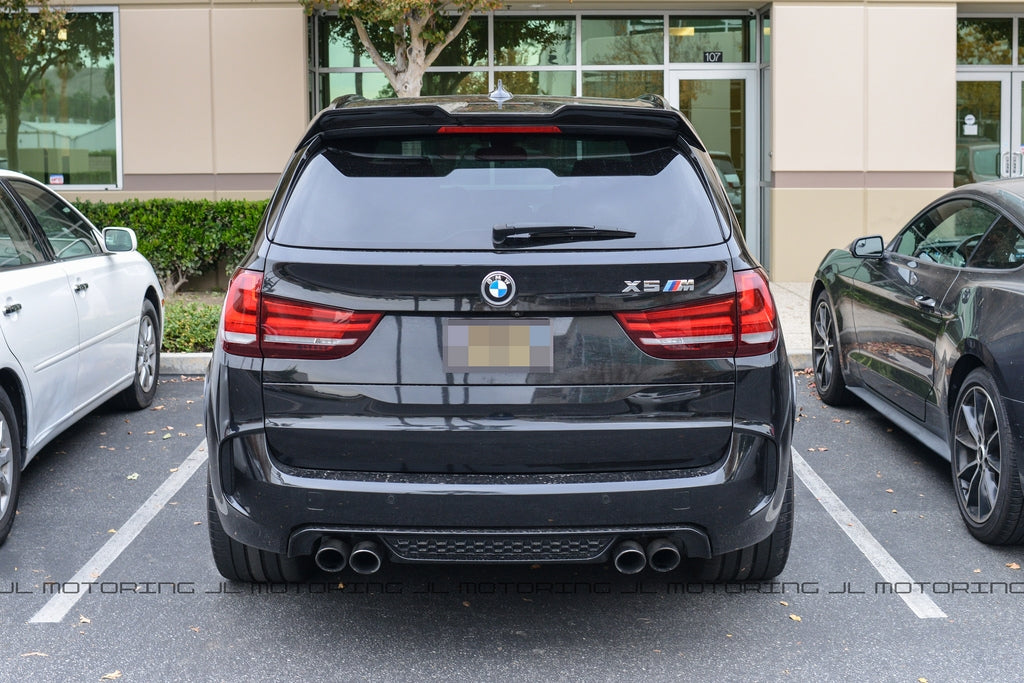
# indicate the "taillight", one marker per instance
pixel 758 322
pixel 263 326
pixel 240 317
pixel 740 324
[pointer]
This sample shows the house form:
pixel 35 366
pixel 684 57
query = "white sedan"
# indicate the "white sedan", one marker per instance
pixel 81 314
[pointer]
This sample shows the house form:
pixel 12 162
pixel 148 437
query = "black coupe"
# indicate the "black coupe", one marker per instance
pixel 929 330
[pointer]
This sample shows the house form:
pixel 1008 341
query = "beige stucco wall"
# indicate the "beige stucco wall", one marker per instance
pixel 863 95
pixel 213 97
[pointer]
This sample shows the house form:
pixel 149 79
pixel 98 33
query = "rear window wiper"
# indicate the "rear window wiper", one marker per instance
pixel 530 235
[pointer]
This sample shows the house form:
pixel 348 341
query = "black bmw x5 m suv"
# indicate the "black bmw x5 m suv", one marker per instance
pixel 482 331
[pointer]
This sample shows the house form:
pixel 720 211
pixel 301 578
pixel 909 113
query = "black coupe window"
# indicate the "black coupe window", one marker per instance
pixel 947 234
pixel 1002 247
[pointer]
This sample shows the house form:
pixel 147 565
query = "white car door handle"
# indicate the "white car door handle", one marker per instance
pixel 81 286
pixel 11 309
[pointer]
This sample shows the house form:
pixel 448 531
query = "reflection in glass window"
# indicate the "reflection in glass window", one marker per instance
pixel 623 40
pixel 17 248
pixel 1002 247
pixel 340 47
pixel 556 83
pixel 369 84
pixel 623 84
pixel 69 235
pixel 766 40
pixel 550 41
pixel 689 40
pixel 984 41
pixel 66 121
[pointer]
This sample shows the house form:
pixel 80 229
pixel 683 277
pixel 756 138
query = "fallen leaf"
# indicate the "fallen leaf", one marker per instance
pixel 111 531
pixel 167 436
pixel 889 491
pixel 465 603
pixel 783 603
pixel 194 628
pixel 35 654
pixel 977 571
pixel 82 619
pixel 795 617
pixel 173 469
pixel 111 676
pixel 133 476
pixel 157 408
pixel 1013 565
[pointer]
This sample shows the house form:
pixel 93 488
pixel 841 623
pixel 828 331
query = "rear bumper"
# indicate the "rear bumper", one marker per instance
pixel 730 504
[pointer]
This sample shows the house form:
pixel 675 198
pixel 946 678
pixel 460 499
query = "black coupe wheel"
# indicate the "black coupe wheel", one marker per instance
pixel 10 465
pixel 983 454
pixel 147 362
pixel 828 373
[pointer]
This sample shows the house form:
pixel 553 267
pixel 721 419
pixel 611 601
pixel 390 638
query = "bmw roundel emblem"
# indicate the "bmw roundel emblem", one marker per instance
pixel 498 288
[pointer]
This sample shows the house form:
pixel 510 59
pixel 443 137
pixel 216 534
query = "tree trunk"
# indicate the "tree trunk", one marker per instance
pixel 12 110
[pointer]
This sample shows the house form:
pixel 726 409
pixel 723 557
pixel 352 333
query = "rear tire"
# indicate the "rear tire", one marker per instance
pixel 759 562
pixel 147 361
pixel 828 371
pixel 983 457
pixel 239 562
pixel 10 465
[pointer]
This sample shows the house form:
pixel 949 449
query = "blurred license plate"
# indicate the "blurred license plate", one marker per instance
pixel 497 345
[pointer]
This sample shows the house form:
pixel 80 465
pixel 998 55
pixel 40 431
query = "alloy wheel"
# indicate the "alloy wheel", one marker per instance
pixel 145 355
pixel 7 466
pixel 976 454
pixel 823 346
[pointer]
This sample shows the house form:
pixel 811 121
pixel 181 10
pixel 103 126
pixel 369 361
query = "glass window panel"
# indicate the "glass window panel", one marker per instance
pixel 17 247
pixel 550 41
pixel 766 40
pixel 984 41
pixel 690 39
pixel 623 40
pixel 454 83
pixel 67 132
pixel 340 46
pixel 369 84
pixel 68 233
pixel 1002 247
pixel 717 110
pixel 978 123
pixel 556 83
pixel 624 84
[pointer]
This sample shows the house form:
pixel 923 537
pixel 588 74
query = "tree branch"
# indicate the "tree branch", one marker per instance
pixel 371 49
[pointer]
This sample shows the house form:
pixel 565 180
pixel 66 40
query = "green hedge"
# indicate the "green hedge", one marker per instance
pixel 190 326
pixel 183 238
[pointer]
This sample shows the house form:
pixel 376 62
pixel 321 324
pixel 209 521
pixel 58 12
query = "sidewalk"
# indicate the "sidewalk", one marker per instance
pixel 791 298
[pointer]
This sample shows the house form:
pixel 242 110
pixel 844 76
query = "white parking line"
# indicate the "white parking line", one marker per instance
pixel 60 604
pixel 882 561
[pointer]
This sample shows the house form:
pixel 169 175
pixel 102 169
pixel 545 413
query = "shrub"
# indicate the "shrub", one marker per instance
pixel 183 238
pixel 190 326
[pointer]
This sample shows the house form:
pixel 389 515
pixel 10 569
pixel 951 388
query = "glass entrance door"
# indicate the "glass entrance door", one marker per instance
pixel 722 106
pixel 989 127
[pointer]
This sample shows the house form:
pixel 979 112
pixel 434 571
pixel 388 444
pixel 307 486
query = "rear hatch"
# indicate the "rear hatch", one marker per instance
pixel 495 301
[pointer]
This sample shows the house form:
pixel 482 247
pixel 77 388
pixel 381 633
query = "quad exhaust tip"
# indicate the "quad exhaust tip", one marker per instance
pixel 365 558
pixel 663 555
pixel 332 556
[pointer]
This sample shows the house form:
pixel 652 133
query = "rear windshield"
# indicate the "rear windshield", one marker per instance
pixel 449 191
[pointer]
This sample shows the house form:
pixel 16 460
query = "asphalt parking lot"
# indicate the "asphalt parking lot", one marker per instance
pixel 108 576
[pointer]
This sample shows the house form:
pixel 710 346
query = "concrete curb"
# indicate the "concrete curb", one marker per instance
pixel 184 363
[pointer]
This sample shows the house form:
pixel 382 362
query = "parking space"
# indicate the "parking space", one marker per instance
pixel 160 610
